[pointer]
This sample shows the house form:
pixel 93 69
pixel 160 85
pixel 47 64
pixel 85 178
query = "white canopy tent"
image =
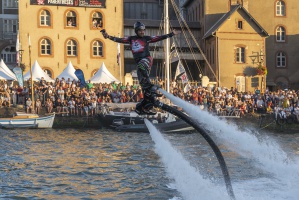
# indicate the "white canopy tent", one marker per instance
pixel 103 76
pixel 5 72
pixel 37 73
pixel 68 72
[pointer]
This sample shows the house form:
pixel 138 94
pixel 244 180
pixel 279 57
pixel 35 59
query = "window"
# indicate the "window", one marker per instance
pixel 255 82
pixel 45 18
pixel 281 59
pixel 280 8
pixel 97 49
pixel 71 19
pixel 10 4
pixel 8 54
pixel 240 55
pixel 97 20
pixel 280 34
pixel 10 27
pixel 45 47
pixel 240 25
pixel 71 47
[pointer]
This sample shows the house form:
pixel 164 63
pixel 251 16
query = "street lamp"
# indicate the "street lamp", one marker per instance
pixel 258 58
pixel 21 52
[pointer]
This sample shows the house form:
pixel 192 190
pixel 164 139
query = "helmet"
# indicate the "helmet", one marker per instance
pixel 138 26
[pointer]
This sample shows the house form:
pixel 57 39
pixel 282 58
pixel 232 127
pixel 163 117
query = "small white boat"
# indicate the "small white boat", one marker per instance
pixel 23 120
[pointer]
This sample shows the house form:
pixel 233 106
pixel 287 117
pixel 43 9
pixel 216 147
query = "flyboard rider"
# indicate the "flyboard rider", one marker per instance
pixel 140 49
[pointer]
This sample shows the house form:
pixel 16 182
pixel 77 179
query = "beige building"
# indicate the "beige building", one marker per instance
pixel 276 17
pixel 62 33
pixel 229 44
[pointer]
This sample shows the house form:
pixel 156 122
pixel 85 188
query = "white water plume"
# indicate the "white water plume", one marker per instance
pixel 266 152
pixel 188 181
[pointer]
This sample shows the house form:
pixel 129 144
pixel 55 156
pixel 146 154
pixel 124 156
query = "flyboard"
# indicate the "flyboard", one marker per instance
pixel 212 144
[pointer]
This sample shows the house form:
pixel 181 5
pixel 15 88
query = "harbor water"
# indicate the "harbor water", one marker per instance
pixel 102 164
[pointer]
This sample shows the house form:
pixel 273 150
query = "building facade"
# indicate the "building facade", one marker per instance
pixel 57 33
pixel 54 43
pixel 276 17
pixel 8 31
pixel 237 34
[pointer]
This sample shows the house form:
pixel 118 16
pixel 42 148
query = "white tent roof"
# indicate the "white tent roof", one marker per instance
pixel 37 73
pixel 68 72
pixel 5 72
pixel 103 76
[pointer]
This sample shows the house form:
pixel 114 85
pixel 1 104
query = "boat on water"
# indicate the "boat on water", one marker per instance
pixel 130 121
pixel 123 115
pixel 25 120
pixel 168 127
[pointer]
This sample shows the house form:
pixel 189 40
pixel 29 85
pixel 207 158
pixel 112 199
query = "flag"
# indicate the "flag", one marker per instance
pixel 187 88
pixel 19 75
pixel 174 56
pixel 80 75
pixel 18 49
pixel 118 54
pixel 181 73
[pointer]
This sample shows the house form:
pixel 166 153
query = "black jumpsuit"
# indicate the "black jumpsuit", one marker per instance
pixel 141 54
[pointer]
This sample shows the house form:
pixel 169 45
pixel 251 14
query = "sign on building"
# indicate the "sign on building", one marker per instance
pixel 73 3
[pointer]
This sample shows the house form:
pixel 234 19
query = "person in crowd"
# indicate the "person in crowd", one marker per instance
pixel 25 92
pixel 260 105
pixel 68 94
pixel 38 105
pixel 93 106
pixel 14 95
pixel 49 105
pixel 71 105
pixel 86 107
pixel 60 93
pixel 28 106
pixel 79 107
pixel 65 108
pixel 296 112
pixel 58 105
pixel 6 100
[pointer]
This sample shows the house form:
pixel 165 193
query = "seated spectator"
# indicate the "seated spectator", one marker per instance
pixel 6 100
pixel 58 105
pixel 65 107
pixel 79 107
pixel 86 107
pixel 49 105
pixel 28 106
pixel 71 105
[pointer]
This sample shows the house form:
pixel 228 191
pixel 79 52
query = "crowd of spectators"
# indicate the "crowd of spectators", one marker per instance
pixel 66 96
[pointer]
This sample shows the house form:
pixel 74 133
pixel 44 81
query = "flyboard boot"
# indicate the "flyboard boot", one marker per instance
pixel 145 107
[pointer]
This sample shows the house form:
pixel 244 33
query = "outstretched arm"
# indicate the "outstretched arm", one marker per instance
pixel 115 39
pixel 162 37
